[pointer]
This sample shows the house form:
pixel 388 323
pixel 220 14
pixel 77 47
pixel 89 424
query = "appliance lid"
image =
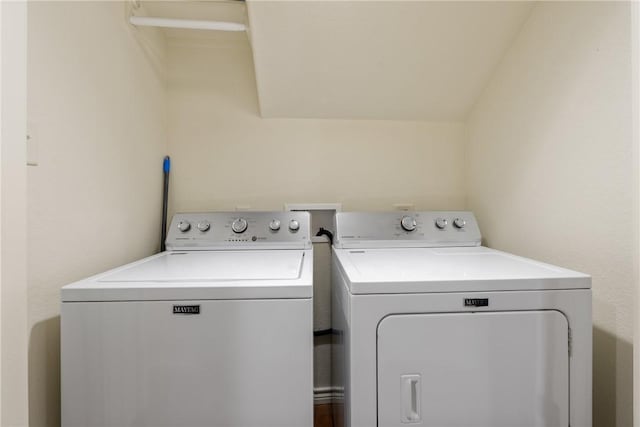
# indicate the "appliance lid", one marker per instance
pixel 190 275
pixel 415 270
pixel 213 266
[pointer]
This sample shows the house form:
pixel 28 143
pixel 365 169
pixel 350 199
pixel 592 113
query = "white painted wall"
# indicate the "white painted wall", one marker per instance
pixel 550 169
pixel 96 108
pixel 13 206
pixel 225 155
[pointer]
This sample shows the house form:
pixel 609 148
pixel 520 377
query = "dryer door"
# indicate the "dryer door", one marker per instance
pixel 483 369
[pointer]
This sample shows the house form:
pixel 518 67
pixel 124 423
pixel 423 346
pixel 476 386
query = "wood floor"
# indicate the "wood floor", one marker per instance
pixel 322 416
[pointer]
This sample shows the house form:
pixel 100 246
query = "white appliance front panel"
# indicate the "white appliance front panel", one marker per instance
pixel 489 369
pixel 413 270
pixel 235 364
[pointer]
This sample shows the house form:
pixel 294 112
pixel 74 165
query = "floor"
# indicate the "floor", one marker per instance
pixel 322 416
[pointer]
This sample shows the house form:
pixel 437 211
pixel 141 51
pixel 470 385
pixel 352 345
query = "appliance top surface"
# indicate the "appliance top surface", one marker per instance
pixel 215 255
pixel 212 266
pixel 415 270
pixel 182 275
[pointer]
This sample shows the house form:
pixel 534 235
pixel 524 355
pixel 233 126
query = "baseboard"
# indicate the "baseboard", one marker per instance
pixel 322 395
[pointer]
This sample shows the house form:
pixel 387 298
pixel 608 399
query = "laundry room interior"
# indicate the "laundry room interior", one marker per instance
pixel 523 113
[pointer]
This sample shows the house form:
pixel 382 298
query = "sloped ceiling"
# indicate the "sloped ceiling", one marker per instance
pixel 364 59
pixel 410 60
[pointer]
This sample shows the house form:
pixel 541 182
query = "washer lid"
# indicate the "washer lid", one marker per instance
pixel 212 266
pixel 417 270
pixel 202 275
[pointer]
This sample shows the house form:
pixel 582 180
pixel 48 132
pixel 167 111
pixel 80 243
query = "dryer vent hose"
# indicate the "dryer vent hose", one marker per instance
pixel 325 232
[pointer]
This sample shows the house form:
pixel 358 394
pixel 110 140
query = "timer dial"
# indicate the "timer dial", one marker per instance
pixel 184 226
pixel 408 223
pixel 239 225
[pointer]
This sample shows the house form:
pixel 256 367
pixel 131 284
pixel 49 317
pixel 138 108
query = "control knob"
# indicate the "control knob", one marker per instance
pixel 459 223
pixel 239 225
pixel 204 226
pixel 184 226
pixel 294 225
pixel 441 223
pixel 274 225
pixel 408 223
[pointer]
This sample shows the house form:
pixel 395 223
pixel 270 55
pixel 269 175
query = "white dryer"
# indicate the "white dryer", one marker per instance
pixel 432 329
pixel 216 331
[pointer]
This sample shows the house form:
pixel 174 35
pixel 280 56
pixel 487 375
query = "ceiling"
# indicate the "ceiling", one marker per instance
pixel 378 59
pixel 391 60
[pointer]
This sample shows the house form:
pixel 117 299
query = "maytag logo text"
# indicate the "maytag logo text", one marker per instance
pixel 186 309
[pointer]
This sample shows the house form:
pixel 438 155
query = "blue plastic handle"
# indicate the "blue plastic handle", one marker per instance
pixel 166 165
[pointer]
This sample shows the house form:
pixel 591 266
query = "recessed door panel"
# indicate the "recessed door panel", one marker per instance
pixel 488 369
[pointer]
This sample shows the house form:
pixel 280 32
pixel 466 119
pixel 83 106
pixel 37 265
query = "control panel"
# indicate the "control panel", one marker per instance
pixel 242 230
pixel 406 229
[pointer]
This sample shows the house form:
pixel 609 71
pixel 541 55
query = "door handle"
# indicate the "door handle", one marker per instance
pixel 411 397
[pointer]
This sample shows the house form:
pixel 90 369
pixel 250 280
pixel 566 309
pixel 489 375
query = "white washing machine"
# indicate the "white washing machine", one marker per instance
pixel 433 329
pixel 216 331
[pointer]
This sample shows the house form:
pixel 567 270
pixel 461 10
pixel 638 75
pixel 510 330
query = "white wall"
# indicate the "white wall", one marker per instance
pixel 224 155
pixel 13 206
pixel 96 108
pixel 550 169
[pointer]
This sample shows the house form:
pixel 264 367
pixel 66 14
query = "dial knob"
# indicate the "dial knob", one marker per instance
pixel 408 223
pixel 294 225
pixel 441 223
pixel 184 226
pixel 239 225
pixel 274 225
pixel 459 223
pixel 204 226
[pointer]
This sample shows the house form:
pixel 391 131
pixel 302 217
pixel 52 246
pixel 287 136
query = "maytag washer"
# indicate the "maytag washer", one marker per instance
pixel 216 331
pixel 432 329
